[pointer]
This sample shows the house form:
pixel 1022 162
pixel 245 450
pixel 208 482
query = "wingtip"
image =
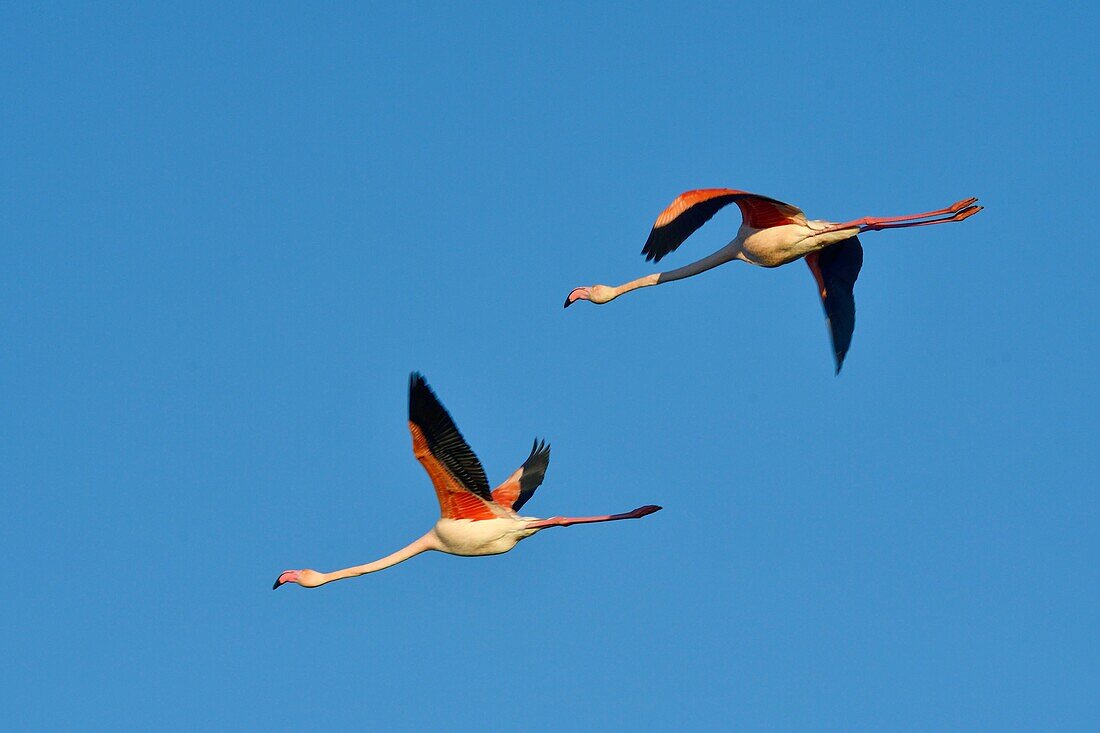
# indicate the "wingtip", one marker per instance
pixel 420 393
pixel 839 359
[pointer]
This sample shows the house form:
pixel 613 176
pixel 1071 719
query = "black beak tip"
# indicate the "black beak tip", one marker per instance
pixel 277 584
pixel 568 302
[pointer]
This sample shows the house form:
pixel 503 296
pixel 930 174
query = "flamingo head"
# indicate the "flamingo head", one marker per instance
pixel 304 578
pixel 595 293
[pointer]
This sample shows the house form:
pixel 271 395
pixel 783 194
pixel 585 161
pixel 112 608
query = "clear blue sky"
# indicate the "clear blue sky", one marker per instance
pixel 228 235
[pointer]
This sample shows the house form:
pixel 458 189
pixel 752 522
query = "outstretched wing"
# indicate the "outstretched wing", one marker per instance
pixel 836 268
pixel 521 485
pixel 459 480
pixel 693 209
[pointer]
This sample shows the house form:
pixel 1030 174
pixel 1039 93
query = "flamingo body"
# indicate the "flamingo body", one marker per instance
pixel 773 233
pixel 470 538
pixel 779 245
pixel 473 520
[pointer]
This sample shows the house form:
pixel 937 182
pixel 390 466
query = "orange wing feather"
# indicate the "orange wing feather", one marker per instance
pixel 455 500
pixel 507 493
pixel 689 199
pixel 762 213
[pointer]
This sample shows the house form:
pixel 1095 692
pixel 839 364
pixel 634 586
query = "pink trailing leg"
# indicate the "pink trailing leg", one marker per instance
pixel 566 521
pixel 955 212
pixel 964 214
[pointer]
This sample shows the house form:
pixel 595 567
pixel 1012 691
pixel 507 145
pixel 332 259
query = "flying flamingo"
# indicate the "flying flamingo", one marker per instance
pixel 773 233
pixel 474 520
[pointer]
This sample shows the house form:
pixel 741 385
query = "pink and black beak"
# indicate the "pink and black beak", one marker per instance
pixel 288 576
pixel 575 295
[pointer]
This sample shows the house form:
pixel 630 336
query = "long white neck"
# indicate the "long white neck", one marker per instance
pixel 722 256
pixel 641 282
pixel 425 543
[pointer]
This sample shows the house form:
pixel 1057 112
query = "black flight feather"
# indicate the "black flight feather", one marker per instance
pixel 444 440
pixel 665 239
pixel 840 264
pixel 533 471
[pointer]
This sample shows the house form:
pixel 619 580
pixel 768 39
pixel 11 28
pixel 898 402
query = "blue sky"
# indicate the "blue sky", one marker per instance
pixel 229 234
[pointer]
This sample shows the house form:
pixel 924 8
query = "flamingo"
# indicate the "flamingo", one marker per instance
pixel 773 233
pixel 473 520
